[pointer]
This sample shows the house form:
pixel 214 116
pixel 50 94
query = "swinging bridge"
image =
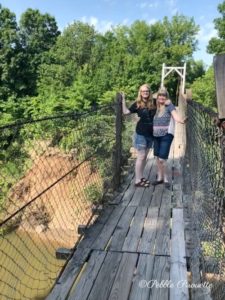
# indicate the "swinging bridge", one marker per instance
pixel 68 234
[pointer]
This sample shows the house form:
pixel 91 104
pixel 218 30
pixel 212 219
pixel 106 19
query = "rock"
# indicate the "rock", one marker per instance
pixel 40 228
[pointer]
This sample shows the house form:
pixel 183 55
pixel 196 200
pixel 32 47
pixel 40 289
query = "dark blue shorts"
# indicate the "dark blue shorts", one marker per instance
pixel 142 142
pixel 162 145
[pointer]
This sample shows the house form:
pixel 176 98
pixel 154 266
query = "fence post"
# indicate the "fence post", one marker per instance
pixel 117 152
pixel 219 70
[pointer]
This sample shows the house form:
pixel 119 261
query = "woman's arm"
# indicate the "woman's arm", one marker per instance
pixel 177 118
pixel 126 111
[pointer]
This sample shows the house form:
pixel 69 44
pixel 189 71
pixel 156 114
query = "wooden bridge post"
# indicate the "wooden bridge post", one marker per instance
pixel 219 69
pixel 117 153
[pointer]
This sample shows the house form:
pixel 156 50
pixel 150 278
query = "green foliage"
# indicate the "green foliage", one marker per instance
pixel 13 161
pixel 45 72
pixel 203 89
pixel 217 44
pixel 93 193
pixel 38 33
pixel 9 45
pixel 92 135
pixel 196 69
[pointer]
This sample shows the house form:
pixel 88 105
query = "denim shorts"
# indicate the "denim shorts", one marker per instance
pixel 142 142
pixel 162 145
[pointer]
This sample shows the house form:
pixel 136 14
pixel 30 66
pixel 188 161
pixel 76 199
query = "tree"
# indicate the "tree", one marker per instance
pixel 9 44
pixel 71 52
pixel 195 69
pixel 203 89
pixel 217 44
pixel 85 67
pixel 38 33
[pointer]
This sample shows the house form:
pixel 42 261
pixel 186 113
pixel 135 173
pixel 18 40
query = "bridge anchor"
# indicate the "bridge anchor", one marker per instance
pixel 63 253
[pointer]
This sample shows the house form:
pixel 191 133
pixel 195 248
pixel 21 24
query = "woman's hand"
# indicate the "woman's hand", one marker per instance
pixel 168 102
pixel 126 111
pixel 185 120
pixel 123 96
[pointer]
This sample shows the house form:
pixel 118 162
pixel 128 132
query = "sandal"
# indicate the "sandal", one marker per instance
pixel 145 180
pixel 157 182
pixel 167 184
pixel 142 184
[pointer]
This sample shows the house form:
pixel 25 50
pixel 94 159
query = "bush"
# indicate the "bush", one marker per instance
pixel 93 193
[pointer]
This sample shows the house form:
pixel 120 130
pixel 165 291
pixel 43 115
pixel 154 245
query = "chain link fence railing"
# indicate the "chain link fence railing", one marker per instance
pixel 205 154
pixel 53 171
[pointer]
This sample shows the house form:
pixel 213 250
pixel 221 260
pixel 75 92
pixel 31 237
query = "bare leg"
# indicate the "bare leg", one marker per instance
pixel 165 171
pixel 162 169
pixel 140 164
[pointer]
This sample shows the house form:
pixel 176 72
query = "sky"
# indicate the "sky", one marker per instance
pixel 104 14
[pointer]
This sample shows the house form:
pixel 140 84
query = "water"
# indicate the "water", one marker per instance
pixel 28 266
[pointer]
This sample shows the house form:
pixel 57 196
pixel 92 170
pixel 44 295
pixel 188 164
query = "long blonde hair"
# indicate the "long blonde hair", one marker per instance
pixel 140 102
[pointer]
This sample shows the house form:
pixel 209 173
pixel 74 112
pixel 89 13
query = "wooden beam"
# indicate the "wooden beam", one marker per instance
pixel 219 69
pixel 117 152
pixel 178 270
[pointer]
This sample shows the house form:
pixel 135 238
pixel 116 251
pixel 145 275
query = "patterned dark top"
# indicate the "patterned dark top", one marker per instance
pixel 164 123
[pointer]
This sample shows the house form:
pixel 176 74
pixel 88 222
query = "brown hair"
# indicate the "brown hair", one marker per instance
pixel 140 102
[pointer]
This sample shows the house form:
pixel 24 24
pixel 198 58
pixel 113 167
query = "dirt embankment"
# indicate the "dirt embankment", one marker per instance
pixel 56 188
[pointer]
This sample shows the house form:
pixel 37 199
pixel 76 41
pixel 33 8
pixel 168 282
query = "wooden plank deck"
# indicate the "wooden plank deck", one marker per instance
pixel 131 251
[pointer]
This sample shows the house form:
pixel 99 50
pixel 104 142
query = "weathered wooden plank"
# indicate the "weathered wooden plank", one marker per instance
pixel 133 236
pixel 178 269
pixel 169 166
pixel 143 277
pixel 120 198
pixel 177 187
pixel 188 242
pixel 140 190
pixel 147 196
pixel 103 238
pixel 65 282
pixel 160 279
pixel 83 287
pixel 122 228
pixel 157 196
pixel 177 172
pixel 148 193
pixel 162 243
pixel 178 200
pixel 137 196
pixel 171 153
pixel 128 195
pixel 94 230
pixel 147 241
pixel 121 287
pixel 106 276
pixel 165 207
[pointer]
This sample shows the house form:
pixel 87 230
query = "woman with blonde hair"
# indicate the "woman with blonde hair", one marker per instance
pixel 143 139
pixel 163 132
